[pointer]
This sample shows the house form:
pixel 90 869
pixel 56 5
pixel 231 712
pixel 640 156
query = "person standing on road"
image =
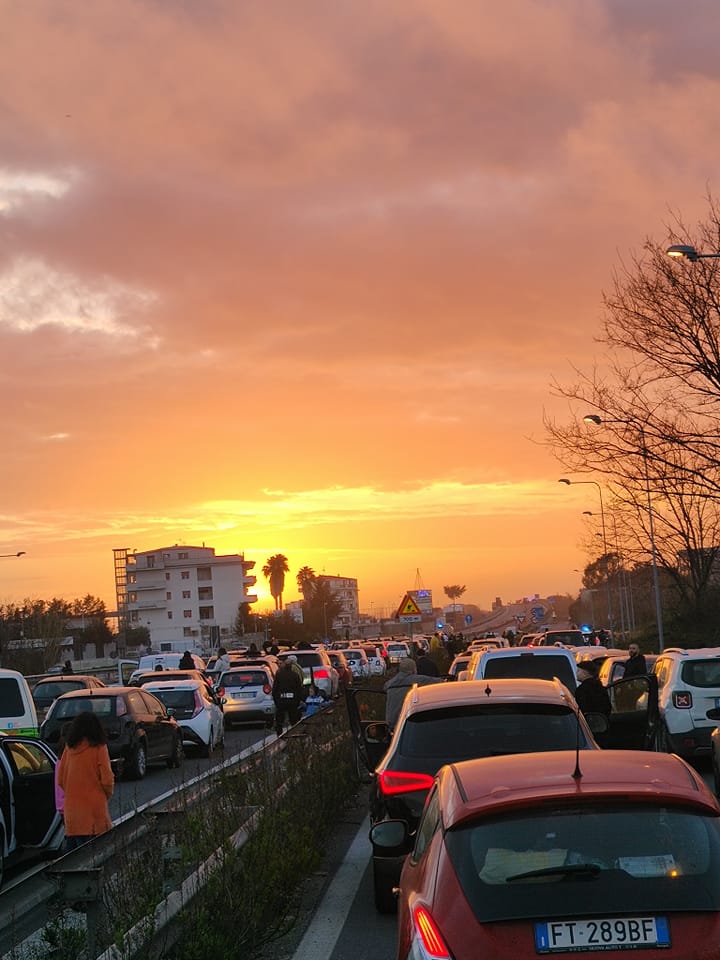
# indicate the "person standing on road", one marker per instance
pixel 223 661
pixel 591 695
pixel 293 661
pixel 396 689
pixel 636 665
pixel 86 779
pixel 287 693
pixel 186 661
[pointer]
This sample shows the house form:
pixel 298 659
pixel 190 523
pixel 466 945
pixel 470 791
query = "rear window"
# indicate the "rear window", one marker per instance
pixel 489 730
pixel 519 867
pixel 308 659
pixel 701 673
pixel 11 703
pixel 47 692
pixel 529 665
pixel 176 699
pixel 102 706
pixel 248 678
pixel 573 638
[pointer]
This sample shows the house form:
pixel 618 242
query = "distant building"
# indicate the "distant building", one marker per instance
pixel 187 597
pixel 345 591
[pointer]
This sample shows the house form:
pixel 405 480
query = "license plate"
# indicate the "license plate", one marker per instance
pixel 243 694
pixel 612 933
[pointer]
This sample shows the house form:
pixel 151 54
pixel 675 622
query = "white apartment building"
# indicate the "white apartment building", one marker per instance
pixel 187 597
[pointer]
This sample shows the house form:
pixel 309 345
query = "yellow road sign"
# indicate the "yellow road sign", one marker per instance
pixel 408 607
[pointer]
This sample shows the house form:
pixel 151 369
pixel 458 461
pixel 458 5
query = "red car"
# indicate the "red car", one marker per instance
pixel 531 855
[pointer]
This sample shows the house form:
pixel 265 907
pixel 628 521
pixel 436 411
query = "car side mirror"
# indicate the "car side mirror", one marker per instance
pixel 377 732
pixel 390 836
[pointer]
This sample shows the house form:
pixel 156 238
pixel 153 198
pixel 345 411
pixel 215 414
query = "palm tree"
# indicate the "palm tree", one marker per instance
pixel 454 592
pixel 306 581
pixel 274 570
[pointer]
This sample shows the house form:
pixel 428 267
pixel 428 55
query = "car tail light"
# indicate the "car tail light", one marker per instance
pixel 221 692
pixel 266 689
pixel 321 674
pixel 682 700
pixel 199 707
pixel 431 939
pixel 399 781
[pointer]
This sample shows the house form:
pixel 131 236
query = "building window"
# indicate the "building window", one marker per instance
pixel 167 576
pixel 187 614
pixel 150 562
pixel 132 578
pixel 186 594
pixel 169 614
pixel 168 595
pixel 185 574
pixel 207 613
pixel 204 573
pixel 132 597
pixel 183 556
pixel 134 616
pixel 187 631
pixel 205 593
pixel 165 648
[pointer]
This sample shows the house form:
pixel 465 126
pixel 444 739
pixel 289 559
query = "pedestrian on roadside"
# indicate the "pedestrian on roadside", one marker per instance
pixel 636 665
pixel 293 661
pixel 86 779
pixel 287 693
pixel 186 661
pixel 68 667
pixel 223 661
pixel 591 695
pixel 397 688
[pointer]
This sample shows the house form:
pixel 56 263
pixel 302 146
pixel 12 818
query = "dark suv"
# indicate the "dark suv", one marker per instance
pixel 448 722
pixel 138 727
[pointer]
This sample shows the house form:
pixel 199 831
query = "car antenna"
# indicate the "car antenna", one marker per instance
pixel 577 772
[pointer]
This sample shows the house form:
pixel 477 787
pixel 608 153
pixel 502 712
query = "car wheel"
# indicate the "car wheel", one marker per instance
pixel 662 744
pixel 138 765
pixel 178 754
pixel 385 900
pixel 207 748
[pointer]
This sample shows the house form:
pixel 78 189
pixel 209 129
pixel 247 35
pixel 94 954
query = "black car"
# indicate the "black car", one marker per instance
pixel 138 727
pixel 47 690
pixel 450 722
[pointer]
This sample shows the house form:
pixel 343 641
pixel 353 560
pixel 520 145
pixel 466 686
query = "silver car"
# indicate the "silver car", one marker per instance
pixel 246 694
pixel 318 669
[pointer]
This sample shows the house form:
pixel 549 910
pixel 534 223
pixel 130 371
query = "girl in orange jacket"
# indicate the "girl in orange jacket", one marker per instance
pixel 86 777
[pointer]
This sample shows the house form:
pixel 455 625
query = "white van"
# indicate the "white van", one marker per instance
pixel 164 661
pixel 17 708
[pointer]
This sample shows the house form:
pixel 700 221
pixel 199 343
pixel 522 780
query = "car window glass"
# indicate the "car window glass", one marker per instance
pixel 428 825
pixel 10 698
pixel 72 706
pixel 176 699
pixel 29 758
pixel 137 703
pixel 244 678
pixel 482 730
pixel 701 673
pixel 153 706
pixel 629 865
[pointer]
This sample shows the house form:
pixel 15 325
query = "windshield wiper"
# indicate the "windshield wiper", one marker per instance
pixel 587 871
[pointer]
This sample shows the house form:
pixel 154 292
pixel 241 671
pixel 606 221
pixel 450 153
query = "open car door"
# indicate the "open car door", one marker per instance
pixel 632 725
pixel 370 733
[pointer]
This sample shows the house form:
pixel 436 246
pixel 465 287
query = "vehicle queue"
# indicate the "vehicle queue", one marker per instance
pixel 461 780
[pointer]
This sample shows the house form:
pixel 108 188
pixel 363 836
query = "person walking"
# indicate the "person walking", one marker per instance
pixel 287 693
pixel 397 688
pixel 591 695
pixel 86 779
pixel 635 666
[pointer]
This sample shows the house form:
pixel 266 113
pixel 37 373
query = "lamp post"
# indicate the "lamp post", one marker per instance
pixel 604 539
pixel 597 420
pixel 683 251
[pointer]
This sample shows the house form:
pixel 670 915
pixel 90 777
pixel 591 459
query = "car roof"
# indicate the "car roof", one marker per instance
pixel 67 676
pixel 483 787
pixel 505 652
pixel 98 692
pixel 505 690
pixel 174 685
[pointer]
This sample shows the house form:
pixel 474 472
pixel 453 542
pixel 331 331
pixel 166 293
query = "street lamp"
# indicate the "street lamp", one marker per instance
pixel 683 251
pixel 597 420
pixel 20 553
pixel 604 538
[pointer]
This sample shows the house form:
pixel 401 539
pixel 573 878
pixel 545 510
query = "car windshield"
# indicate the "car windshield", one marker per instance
pixel 658 859
pixel 531 665
pixel 701 673
pixel 489 729
pixel 102 706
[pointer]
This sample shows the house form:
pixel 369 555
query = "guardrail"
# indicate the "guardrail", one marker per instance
pixel 150 837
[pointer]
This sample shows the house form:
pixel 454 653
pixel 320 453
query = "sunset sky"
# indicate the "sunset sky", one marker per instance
pixel 291 276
